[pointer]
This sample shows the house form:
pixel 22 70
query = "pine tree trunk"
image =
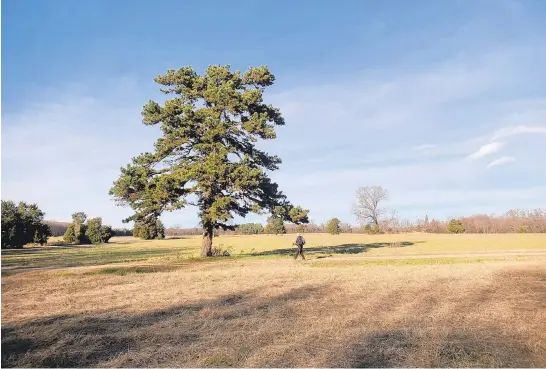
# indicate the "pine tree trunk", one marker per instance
pixel 206 248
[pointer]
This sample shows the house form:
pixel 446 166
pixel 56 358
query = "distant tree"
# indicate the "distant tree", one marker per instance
pixel 98 233
pixel 522 229
pixel 80 233
pixel 275 225
pixel 210 127
pixel 75 233
pixel 455 226
pixel 426 224
pixel 250 228
pixel 22 224
pixel 301 228
pixel 368 204
pixel 149 228
pixel 42 233
pixel 122 232
pixel 333 227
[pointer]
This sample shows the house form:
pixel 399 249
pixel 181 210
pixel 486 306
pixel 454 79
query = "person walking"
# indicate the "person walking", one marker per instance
pixel 300 241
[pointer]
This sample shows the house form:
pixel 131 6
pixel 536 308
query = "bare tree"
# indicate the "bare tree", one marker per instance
pixel 368 200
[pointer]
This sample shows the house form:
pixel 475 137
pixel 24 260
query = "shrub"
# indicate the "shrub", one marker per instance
pixel 522 229
pixel 455 226
pixel 372 229
pixel 96 232
pixel 219 251
pixel 22 224
pixel 301 228
pixel 333 226
pixel 71 236
pixel 80 233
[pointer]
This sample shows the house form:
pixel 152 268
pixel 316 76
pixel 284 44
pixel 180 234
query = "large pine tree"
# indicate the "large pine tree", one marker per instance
pixel 210 127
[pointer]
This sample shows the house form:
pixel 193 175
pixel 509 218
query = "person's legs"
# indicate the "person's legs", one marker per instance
pixel 301 252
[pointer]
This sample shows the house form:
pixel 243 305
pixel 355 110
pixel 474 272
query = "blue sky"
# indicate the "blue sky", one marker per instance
pixel 443 103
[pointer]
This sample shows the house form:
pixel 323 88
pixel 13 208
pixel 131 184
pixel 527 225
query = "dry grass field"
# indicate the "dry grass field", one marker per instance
pixel 358 300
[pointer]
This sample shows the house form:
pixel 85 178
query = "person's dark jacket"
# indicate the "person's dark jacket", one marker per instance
pixel 300 241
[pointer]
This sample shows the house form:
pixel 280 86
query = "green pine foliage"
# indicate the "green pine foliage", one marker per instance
pixel 22 224
pixel 81 233
pixel 250 228
pixel 455 226
pixel 333 226
pixel 98 233
pixel 149 228
pixel 275 225
pixel 210 125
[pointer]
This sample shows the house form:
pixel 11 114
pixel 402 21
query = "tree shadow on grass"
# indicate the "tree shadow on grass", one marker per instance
pixel 85 341
pixel 350 248
pixel 255 328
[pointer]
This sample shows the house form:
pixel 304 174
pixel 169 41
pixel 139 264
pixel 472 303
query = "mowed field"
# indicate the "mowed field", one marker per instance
pixel 358 300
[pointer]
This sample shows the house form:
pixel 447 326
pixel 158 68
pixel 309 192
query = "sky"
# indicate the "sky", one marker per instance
pixel 443 103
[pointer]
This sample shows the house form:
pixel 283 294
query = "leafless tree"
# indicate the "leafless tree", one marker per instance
pixel 368 200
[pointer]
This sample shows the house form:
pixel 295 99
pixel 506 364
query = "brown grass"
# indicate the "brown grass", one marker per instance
pixel 278 313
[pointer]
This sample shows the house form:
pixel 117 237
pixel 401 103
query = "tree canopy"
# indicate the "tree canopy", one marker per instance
pixel 368 204
pixel 22 224
pixel 210 126
pixel 333 226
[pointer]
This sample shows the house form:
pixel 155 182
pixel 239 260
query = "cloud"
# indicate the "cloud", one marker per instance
pixel 424 147
pixel 501 161
pixel 485 150
pixel 517 130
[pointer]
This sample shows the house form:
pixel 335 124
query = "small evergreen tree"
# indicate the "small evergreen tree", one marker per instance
pixel 333 226
pixel 275 225
pixel 23 224
pixel 98 233
pixel 455 226
pixel 42 233
pixel 75 233
pixel 149 228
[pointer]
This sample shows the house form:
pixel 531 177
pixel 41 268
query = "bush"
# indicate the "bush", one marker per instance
pixel 219 251
pixel 522 229
pixel 23 224
pixel 333 226
pixel 301 228
pixel 275 225
pixel 80 233
pixel 372 229
pixel 96 232
pixel 73 237
pixel 455 226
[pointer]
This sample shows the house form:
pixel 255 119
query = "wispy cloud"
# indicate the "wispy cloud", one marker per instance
pixel 501 161
pixel 485 150
pixel 517 130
